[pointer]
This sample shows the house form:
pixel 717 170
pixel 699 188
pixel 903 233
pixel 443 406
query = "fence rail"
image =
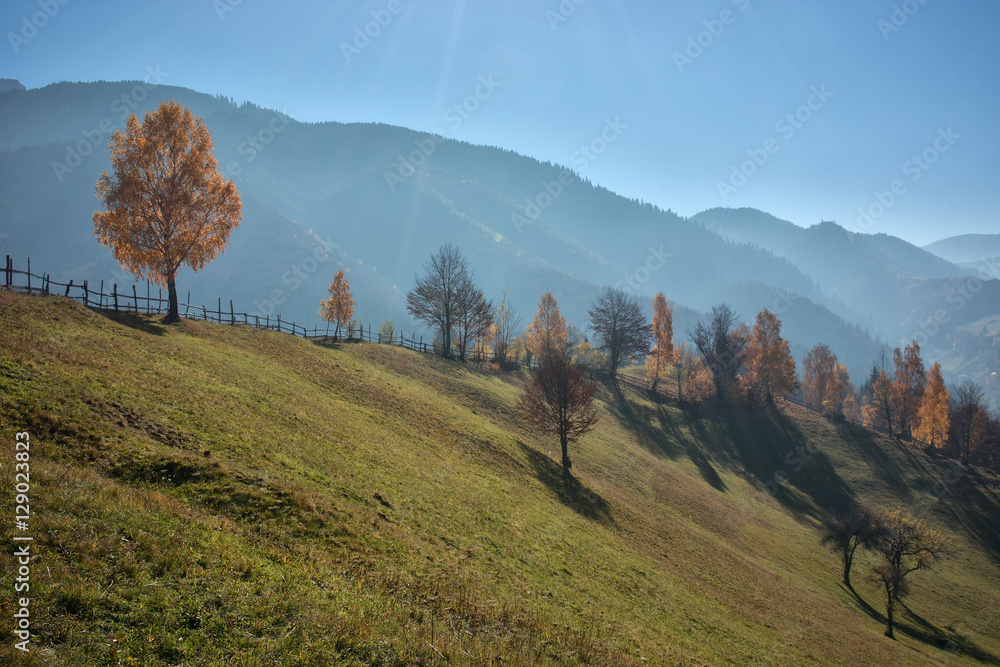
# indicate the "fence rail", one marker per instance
pixel 131 300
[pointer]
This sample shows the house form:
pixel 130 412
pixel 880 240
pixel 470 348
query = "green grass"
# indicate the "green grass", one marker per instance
pixel 206 494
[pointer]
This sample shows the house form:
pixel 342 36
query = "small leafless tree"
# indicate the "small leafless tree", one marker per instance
pixel 559 399
pixel 507 327
pixel 861 526
pixel 622 327
pixel 969 417
pixel 435 298
pixel 473 318
pixel 909 546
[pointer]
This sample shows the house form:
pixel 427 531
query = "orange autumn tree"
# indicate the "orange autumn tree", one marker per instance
pixel 908 386
pixel 547 334
pixel 339 307
pixel 823 380
pixel 770 367
pixel 663 340
pixel 934 423
pixel 166 203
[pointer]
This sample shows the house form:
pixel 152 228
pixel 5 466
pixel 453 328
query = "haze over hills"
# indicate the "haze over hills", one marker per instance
pixel 380 199
pixel 969 249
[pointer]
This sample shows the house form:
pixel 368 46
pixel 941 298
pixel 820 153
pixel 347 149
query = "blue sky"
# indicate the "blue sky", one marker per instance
pixel 808 110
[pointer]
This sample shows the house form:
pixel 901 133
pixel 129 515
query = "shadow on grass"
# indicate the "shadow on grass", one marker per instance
pixel 568 488
pixel 664 439
pixel 760 443
pixel 871 451
pixel 916 627
pixel 965 503
pixel 138 322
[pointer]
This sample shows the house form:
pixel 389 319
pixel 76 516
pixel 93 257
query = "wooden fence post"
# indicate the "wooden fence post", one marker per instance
pixel 6 271
pixel 86 294
pixel 68 286
pixel 102 296
pixel 116 297
pixel 135 299
pixel 232 315
pixel 29 274
pixel 187 306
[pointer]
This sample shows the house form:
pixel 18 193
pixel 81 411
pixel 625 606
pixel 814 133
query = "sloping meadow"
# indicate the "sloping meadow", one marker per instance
pixel 210 494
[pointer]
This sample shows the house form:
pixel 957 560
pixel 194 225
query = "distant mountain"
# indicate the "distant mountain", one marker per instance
pixel 897 290
pixel 970 250
pixel 866 271
pixel 7 85
pixel 384 198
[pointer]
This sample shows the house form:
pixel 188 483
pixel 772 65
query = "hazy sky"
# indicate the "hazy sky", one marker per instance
pixel 808 110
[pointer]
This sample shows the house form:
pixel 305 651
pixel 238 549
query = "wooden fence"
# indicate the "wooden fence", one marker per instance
pixel 132 300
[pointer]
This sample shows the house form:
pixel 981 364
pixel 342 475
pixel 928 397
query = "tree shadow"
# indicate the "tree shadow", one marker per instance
pixel 759 443
pixel 965 503
pixel 872 452
pixel 135 321
pixel 568 488
pixel 916 627
pixel 666 439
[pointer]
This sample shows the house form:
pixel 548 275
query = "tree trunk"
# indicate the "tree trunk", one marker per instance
pixel 890 603
pixel 172 312
pixel 564 441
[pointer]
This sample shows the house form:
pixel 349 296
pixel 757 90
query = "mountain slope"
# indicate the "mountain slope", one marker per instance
pixel 966 248
pixel 210 493
pixel 343 184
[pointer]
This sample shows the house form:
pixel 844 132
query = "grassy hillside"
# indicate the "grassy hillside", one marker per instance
pixel 205 494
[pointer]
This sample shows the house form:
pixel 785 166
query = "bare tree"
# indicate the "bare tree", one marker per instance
pixel 722 348
pixel 909 546
pixel 507 325
pixel 435 297
pixel 559 399
pixel 624 332
pixel 969 417
pixel 861 526
pixel 473 317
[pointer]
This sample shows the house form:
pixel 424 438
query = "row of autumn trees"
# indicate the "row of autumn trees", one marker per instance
pixel 907 401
